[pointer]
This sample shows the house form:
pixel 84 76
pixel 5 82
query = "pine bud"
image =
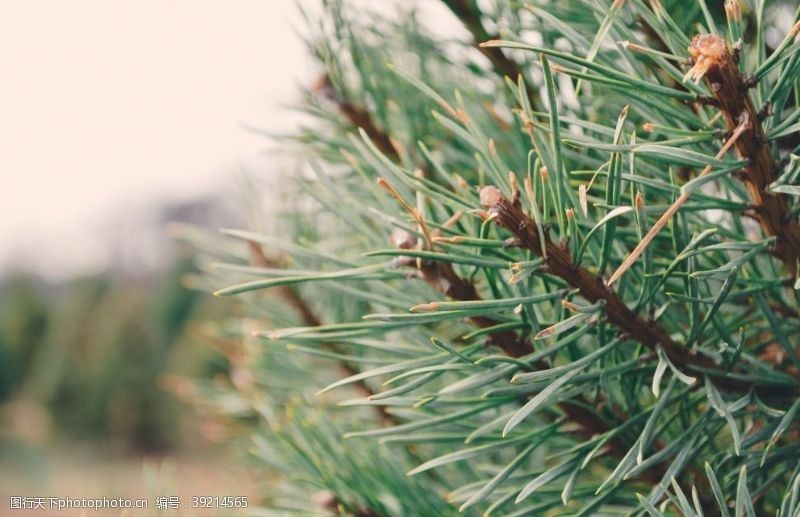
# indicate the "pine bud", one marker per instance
pixel 707 50
pixel 490 196
pixel 403 240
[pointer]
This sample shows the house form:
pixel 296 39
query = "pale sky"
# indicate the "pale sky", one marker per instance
pixel 109 104
pixel 109 108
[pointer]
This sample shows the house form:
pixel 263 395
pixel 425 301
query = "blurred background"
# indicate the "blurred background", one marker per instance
pixel 117 119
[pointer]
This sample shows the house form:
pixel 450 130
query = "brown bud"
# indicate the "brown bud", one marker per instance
pixel 490 196
pixel 325 499
pixel 708 50
pixel 403 240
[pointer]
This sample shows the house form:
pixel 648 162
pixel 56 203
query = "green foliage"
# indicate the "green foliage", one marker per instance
pixel 482 349
pixel 91 353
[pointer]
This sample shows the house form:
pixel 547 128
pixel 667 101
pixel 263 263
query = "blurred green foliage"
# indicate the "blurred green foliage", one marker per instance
pixel 92 352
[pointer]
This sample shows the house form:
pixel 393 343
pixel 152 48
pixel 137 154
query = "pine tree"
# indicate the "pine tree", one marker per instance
pixel 549 269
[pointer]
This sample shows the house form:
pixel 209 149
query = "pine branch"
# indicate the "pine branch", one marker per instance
pixel 357 116
pixel 503 65
pixel 714 62
pixel 444 279
pixel 619 412
pixel 438 275
pixel 310 318
pixel 510 216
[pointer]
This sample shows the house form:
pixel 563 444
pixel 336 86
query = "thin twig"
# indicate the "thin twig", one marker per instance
pixel 673 209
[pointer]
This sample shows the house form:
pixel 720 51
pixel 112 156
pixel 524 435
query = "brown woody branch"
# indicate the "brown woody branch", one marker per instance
pixel 444 279
pixel 509 215
pixel 714 62
pixel 502 64
pixel 358 116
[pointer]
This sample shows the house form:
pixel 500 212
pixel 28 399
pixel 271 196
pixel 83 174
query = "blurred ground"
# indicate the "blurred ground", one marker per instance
pixel 84 471
pixel 88 401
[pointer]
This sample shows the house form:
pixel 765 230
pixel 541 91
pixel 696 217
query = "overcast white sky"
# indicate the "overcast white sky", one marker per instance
pixel 109 104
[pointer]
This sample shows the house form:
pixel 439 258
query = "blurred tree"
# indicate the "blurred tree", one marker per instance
pixel 23 326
